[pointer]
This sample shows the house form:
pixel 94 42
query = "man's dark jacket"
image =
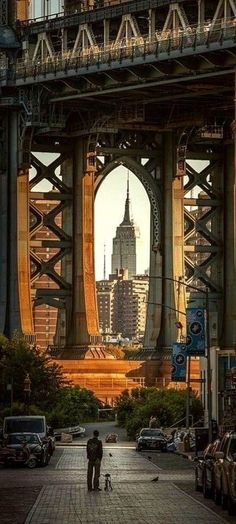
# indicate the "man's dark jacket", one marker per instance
pixel 94 449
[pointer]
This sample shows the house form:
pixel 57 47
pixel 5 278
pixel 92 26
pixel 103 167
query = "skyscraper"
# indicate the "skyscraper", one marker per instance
pixel 124 255
pixel 130 306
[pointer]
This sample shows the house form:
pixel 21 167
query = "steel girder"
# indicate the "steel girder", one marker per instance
pixel 4 12
pixel 47 209
pixel 164 30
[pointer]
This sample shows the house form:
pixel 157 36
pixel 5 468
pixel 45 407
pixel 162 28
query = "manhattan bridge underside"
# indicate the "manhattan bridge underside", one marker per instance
pixel 149 85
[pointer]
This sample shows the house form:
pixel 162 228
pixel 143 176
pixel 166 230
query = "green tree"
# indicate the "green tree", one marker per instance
pixel 18 359
pixel 51 394
pixel 72 406
pixel 168 405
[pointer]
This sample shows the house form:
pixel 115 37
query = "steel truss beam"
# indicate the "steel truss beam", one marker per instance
pixel 3 12
pixel 132 32
pixel 203 232
pixel 47 219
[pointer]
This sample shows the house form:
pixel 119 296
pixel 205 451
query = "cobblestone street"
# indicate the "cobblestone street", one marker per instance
pixel 58 493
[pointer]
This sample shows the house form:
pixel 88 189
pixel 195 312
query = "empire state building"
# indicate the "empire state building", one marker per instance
pixel 124 255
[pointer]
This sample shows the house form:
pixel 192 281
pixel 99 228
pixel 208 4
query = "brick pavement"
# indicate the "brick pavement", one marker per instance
pixel 135 499
pixel 139 503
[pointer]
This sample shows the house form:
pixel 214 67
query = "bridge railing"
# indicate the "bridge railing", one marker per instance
pixel 133 48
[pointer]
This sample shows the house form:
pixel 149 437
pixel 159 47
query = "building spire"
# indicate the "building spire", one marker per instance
pixel 126 220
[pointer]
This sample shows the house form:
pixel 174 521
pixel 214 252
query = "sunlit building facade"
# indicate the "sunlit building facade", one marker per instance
pixel 130 306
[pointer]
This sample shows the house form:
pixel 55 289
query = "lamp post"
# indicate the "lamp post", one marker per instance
pixel 27 391
pixel 207 350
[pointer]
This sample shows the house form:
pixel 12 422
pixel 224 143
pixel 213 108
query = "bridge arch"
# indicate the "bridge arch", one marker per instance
pixel 153 317
pixel 150 187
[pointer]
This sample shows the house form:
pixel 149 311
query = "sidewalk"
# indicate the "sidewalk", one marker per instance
pixel 141 492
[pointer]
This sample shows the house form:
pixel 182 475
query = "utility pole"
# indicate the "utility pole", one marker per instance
pixel 208 357
pixel 188 392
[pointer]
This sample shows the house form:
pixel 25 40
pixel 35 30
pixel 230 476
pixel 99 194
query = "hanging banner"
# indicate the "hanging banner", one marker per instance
pixel 179 360
pixel 195 340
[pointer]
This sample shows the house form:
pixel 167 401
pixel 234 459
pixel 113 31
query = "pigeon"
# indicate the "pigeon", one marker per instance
pixel 110 455
pixel 155 479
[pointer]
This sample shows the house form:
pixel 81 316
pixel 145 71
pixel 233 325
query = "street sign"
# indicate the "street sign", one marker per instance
pixel 195 340
pixel 179 359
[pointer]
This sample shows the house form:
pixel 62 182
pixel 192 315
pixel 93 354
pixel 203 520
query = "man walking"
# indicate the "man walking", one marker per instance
pixel 94 456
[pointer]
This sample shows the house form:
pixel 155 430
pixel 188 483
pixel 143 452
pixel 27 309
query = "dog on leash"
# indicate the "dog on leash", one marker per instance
pixel 108 484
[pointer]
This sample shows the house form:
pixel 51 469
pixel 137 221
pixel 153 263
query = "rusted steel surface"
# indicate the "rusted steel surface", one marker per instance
pixel 22 9
pixel 23 253
pixel 88 255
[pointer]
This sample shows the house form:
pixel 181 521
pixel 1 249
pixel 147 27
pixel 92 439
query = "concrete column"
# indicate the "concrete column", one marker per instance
pixel 229 322
pixel 153 318
pixel 23 258
pixel 169 316
pixel 64 316
pixel 84 324
pixel 13 319
pixel 3 219
pixel 178 251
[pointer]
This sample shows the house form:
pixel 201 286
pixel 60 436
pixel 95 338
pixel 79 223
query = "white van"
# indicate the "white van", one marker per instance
pixel 29 424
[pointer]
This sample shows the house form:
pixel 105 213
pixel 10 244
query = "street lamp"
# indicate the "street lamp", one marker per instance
pixel 27 391
pixel 207 349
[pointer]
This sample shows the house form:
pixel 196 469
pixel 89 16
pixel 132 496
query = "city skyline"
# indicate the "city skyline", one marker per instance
pixel 113 192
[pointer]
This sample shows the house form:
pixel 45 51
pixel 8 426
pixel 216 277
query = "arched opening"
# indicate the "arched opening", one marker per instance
pixel 109 212
pixel 122 242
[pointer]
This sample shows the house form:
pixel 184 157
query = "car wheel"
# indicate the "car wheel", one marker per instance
pixel 217 496
pixel 197 487
pixel 139 449
pixel 32 463
pixel 231 506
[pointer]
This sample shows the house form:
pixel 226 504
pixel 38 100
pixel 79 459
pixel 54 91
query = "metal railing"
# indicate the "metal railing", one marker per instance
pixel 109 384
pixel 131 49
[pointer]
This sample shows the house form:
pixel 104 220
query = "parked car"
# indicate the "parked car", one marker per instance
pixel 32 443
pixel 225 473
pixel 204 469
pixel 152 439
pixel 111 437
